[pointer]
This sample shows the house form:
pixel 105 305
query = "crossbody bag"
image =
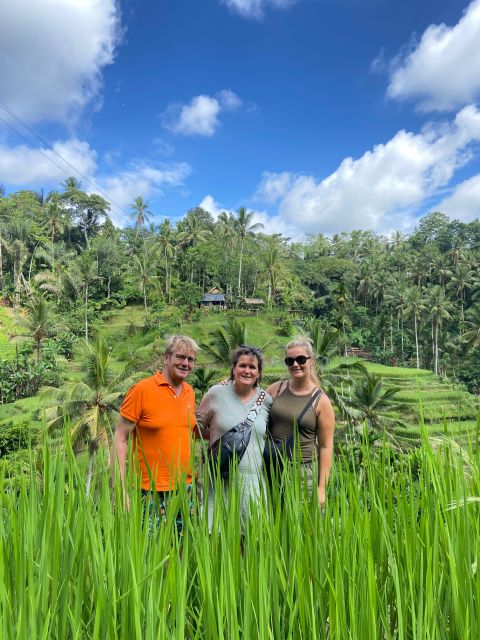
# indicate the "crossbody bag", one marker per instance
pixel 234 443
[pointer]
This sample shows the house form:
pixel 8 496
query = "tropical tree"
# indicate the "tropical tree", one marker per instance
pixel 472 333
pixel 56 218
pixel 85 270
pixel 140 211
pixel 166 243
pixel 462 279
pixel 439 308
pixel 92 402
pixel 244 229
pixel 224 340
pixel 202 379
pixel 18 252
pixel 372 403
pixel 54 276
pixel 274 268
pixel 144 268
pixel 39 321
pixel 414 307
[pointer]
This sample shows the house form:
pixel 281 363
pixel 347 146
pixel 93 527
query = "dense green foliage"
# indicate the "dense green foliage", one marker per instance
pixel 412 300
pixel 395 556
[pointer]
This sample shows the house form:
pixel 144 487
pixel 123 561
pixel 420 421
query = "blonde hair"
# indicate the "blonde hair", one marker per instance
pixel 305 343
pixel 175 342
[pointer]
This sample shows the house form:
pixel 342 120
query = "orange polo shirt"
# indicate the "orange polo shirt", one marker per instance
pixel 164 430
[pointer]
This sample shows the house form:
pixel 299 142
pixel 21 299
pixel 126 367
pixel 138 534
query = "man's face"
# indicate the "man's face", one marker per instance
pixel 179 364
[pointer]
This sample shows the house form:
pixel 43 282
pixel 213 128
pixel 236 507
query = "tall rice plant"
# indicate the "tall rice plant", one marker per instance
pixel 394 556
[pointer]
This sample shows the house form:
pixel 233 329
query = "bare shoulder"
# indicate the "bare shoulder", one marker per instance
pixel 273 389
pixel 324 404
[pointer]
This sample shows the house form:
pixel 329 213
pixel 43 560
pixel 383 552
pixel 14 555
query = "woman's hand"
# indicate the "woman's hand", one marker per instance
pixel 321 498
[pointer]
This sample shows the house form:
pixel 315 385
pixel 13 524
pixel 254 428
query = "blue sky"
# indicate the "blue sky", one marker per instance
pixel 318 115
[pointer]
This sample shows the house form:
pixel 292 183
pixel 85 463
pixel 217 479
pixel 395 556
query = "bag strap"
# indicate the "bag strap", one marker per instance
pixel 281 387
pixel 316 394
pixel 247 424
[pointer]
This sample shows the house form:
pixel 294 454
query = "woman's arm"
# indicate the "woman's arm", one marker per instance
pixel 325 431
pixel 203 415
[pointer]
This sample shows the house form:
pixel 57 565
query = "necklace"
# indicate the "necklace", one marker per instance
pixel 294 389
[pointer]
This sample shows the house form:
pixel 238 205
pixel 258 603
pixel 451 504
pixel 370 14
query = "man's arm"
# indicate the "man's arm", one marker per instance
pixel 122 433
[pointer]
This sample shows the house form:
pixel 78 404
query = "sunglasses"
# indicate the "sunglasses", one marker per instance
pixel 301 360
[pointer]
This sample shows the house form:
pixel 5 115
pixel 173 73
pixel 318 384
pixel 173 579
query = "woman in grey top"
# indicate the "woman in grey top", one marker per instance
pixel 226 405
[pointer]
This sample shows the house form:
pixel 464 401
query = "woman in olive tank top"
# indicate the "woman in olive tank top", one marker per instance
pixel 301 401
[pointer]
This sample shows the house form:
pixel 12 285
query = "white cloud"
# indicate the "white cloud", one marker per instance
pixel 256 8
pixel 24 166
pixel 211 205
pixel 274 186
pixel 52 53
pixel 140 179
pixel 442 71
pixel 464 203
pixel 382 189
pixel 272 224
pixel 200 116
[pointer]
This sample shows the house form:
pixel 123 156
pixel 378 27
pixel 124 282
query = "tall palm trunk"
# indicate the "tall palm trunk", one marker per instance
pixel 415 322
pixel 86 311
pixel 240 268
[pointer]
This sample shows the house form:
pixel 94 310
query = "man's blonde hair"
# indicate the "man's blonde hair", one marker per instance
pixel 178 343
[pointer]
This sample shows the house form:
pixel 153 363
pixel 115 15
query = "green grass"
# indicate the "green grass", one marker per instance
pixel 11 332
pixel 394 557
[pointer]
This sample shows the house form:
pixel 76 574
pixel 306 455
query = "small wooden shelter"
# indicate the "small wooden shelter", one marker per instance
pixel 214 298
pixel 253 304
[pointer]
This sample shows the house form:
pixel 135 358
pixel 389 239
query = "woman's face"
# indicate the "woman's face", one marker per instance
pixel 296 369
pixel 246 372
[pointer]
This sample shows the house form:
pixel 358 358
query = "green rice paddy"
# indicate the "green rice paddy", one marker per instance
pixel 394 556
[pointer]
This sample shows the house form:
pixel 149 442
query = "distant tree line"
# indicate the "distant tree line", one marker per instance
pixel 410 299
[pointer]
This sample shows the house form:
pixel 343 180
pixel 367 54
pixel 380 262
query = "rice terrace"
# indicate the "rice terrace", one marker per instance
pixel 239 320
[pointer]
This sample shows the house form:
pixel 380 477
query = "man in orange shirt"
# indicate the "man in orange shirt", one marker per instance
pixel 160 412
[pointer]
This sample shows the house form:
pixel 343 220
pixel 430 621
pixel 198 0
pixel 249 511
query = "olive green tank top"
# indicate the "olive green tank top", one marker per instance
pixel 286 408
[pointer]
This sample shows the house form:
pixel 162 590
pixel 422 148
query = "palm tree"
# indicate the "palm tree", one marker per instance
pixel 193 231
pixel 56 218
pixel 39 321
pixel 273 267
pixel 439 310
pixel 244 229
pixel 91 403
pixel 224 340
pixel 140 211
pixel 225 228
pixel 144 268
pixel 86 272
pixel 414 306
pixel 462 278
pixel 202 379
pixel 168 250
pixel 54 276
pixel 18 253
pixel 442 270
pixel 472 334
pixel 372 403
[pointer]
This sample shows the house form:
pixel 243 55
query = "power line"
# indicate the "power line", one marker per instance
pixel 46 144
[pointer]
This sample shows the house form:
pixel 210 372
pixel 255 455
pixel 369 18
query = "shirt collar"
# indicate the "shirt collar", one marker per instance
pixel 162 381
